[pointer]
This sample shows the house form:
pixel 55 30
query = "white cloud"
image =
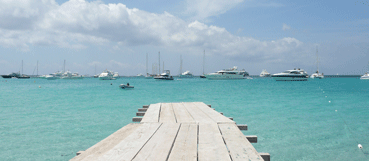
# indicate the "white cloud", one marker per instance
pixel 78 24
pixel 200 10
pixel 285 27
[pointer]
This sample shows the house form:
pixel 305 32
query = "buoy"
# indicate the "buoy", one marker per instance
pixel 360 146
pixel 325 96
pixel 336 110
pixel 39 86
pixel 329 101
pixel 111 83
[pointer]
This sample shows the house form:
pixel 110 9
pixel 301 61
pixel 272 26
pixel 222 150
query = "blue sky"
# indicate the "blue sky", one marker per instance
pixel 275 35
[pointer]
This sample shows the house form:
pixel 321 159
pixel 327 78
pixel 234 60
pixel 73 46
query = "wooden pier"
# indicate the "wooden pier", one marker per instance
pixel 176 131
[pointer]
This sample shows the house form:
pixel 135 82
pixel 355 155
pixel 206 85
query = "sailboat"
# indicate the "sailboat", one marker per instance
pixel 366 75
pixel 317 74
pixel 203 67
pixel 23 76
pixel 186 74
pixel 148 76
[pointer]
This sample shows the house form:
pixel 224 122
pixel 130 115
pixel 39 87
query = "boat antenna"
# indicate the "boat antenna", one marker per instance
pixel 159 62
pixel 203 64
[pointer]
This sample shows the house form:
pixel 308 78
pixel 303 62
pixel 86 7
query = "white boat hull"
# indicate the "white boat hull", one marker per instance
pixel 185 76
pixel 290 78
pixel 365 77
pixel 223 77
pixel 106 78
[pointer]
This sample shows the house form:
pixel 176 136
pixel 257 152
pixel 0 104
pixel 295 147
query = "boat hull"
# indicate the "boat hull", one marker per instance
pixel 6 76
pixel 223 77
pixel 164 78
pixel 106 78
pixel 123 86
pixel 185 76
pixel 290 78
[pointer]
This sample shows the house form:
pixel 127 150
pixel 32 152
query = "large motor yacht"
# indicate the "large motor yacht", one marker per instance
pixel 232 73
pixel 291 75
pixel 264 73
pixel 106 75
pixel 164 76
pixel 365 76
pixel 186 74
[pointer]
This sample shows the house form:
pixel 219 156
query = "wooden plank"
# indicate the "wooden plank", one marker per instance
pixel 167 113
pixel 129 147
pixel 239 147
pixel 211 145
pixel 159 146
pixel 185 145
pixel 216 116
pixel 197 114
pixel 152 113
pixel 182 114
pixel 107 144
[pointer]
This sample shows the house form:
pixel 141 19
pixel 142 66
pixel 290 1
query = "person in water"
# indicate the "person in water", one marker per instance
pixel 127 84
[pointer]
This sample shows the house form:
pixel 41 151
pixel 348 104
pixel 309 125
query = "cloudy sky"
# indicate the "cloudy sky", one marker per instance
pixel 275 35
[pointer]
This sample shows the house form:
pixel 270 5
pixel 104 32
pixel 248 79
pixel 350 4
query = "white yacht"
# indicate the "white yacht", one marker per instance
pixel 291 75
pixel 106 75
pixel 232 73
pixel 70 75
pixel 50 77
pixel 164 76
pixel 264 73
pixel 365 76
pixel 140 75
pixel 186 74
pixel 116 75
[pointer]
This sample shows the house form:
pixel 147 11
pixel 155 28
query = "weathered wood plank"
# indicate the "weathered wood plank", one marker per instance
pixel 167 113
pixel 216 116
pixel 181 113
pixel 106 144
pixel 159 146
pixel 185 145
pixel 130 146
pixel 197 114
pixel 152 113
pixel 211 145
pixel 239 147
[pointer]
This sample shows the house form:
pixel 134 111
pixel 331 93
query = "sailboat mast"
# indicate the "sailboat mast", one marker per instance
pixel 180 69
pixel 163 66
pixel 22 67
pixel 317 60
pixel 37 67
pixel 64 66
pixel 203 64
pixel 159 62
pixel 147 68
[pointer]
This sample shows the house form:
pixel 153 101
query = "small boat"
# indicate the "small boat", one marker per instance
pixel 317 74
pixel 365 76
pixel 186 74
pixel 51 77
pixel 164 76
pixel 264 73
pixel 126 86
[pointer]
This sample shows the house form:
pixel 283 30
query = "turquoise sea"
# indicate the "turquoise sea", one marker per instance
pixel 293 120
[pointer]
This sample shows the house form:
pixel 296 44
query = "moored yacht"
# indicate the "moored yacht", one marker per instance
pixel 12 75
pixel 317 75
pixel 186 74
pixel 365 76
pixel 164 76
pixel 116 75
pixel 291 75
pixel 70 75
pixel 232 73
pixel 106 75
pixel 264 73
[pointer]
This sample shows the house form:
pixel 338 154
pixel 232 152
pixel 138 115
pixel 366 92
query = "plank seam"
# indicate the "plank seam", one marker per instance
pixel 175 138
pixel 159 112
pixel 204 112
pixel 147 141
pixel 229 153
pixel 188 111
pixel 171 105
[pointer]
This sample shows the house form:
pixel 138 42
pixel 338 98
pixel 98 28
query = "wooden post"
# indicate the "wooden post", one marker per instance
pixel 145 106
pixel 142 109
pixel 79 152
pixel 231 118
pixel 252 138
pixel 209 105
pixel 136 119
pixel 265 156
pixel 242 126
pixel 140 113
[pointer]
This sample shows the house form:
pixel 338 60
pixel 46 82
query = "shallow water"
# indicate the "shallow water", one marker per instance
pixel 293 120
